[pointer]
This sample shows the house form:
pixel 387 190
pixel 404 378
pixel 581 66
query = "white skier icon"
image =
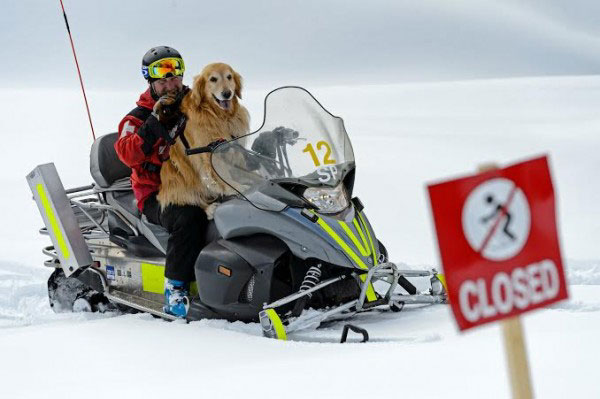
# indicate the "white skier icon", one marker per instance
pixel 496 219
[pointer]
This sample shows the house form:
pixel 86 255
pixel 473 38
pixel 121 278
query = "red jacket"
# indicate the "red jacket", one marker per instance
pixel 145 176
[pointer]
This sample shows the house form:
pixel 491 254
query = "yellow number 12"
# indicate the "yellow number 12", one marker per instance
pixel 326 160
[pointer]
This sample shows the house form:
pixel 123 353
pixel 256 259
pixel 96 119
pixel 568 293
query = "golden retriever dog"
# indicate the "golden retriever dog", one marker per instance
pixel 213 112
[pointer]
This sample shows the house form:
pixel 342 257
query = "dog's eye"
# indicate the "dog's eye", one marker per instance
pixel 228 77
pixel 213 79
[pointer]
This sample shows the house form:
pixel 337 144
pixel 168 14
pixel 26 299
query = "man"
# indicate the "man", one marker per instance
pixel 143 144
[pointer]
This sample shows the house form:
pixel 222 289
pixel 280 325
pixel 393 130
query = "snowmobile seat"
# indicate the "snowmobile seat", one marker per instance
pixel 105 166
pixel 126 199
pixel 112 175
pixel 155 233
pixel 159 236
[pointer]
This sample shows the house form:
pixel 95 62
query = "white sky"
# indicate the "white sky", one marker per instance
pixel 303 42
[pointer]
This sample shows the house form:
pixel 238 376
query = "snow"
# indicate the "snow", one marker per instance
pixel 417 352
pixel 584 272
pixel 404 136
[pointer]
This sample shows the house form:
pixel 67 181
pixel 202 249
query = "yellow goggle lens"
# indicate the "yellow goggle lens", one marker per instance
pixel 161 68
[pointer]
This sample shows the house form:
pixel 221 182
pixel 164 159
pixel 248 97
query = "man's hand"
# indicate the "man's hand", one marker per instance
pixel 167 121
pixel 152 130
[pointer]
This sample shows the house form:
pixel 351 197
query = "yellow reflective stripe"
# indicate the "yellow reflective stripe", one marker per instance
pixel 442 279
pixel 370 290
pixel 372 249
pixel 371 296
pixel 53 223
pixel 370 239
pixel 364 249
pixel 153 278
pixel 194 288
pixel 277 324
pixel 342 244
pixel 362 235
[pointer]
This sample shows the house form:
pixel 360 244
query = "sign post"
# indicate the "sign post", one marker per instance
pixel 498 244
pixel 516 358
pixel 514 344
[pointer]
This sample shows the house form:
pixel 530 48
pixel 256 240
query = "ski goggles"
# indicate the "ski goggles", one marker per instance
pixel 163 68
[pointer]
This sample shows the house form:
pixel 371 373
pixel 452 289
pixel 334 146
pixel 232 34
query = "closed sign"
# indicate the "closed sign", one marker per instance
pixel 498 242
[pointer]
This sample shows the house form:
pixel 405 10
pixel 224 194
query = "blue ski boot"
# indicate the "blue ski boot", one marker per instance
pixel 177 302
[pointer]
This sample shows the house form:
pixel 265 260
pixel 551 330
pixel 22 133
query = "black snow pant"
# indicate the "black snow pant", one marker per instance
pixel 187 230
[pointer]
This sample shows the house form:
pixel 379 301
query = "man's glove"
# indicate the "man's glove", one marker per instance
pixel 166 121
pixel 151 131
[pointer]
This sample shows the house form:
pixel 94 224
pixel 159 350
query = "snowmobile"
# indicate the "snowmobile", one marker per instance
pixel 292 249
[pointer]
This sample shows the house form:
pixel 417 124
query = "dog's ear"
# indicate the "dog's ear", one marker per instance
pixel 198 89
pixel 237 79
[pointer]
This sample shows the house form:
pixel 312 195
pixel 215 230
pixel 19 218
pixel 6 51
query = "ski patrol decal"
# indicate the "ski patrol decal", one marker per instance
pixel 128 128
pixel 498 242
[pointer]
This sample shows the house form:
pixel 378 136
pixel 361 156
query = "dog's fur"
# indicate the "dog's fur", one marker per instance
pixel 190 180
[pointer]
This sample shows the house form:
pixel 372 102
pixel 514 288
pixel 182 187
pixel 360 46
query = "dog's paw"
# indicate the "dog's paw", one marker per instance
pixel 210 210
pixel 164 102
pixel 166 108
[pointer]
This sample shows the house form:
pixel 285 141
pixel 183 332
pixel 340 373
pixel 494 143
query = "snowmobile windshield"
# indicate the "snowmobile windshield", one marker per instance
pixel 299 145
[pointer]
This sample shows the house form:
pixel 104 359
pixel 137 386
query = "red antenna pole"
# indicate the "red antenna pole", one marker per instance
pixel 78 70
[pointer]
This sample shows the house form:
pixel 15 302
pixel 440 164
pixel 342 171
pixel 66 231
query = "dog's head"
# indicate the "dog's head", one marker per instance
pixel 218 86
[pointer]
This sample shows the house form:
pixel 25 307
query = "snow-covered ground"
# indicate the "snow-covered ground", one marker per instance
pixel 404 136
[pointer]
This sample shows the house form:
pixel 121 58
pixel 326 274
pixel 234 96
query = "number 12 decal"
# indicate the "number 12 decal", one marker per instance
pixel 326 159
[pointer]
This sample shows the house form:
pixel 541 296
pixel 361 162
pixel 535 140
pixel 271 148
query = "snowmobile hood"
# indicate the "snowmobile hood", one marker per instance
pixel 146 100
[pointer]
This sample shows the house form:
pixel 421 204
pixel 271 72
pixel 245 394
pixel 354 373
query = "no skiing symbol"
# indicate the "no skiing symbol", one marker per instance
pixel 498 242
pixel 496 219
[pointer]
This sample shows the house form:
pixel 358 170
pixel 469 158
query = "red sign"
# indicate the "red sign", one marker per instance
pixel 498 242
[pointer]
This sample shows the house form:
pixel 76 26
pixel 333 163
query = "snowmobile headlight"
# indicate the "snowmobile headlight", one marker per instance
pixel 327 199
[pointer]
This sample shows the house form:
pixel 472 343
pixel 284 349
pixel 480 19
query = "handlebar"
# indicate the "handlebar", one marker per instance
pixel 198 150
pixel 209 148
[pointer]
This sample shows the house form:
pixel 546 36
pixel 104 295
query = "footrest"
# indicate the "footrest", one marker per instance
pixel 141 304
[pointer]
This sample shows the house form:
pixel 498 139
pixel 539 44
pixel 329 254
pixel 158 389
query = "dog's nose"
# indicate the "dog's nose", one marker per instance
pixel 226 94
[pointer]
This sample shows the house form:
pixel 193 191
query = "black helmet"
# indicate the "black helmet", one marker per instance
pixel 159 53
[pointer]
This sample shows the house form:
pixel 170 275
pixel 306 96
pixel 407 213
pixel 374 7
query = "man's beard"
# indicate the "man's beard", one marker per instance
pixel 170 93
